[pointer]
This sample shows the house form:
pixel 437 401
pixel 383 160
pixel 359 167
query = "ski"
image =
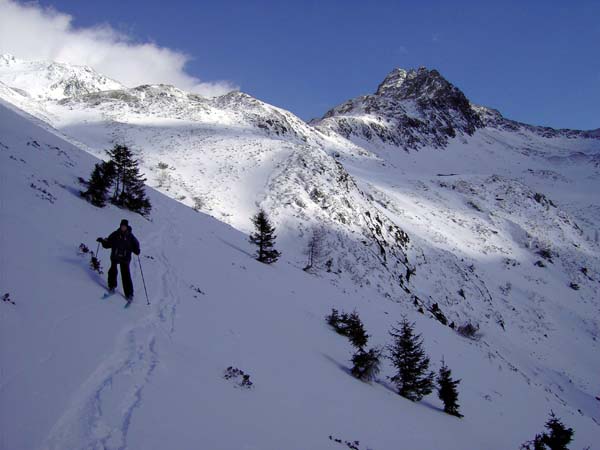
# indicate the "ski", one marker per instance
pixel 127 303
pixel 108 294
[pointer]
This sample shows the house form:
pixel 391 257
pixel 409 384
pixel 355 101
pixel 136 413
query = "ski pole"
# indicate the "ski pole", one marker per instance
pixel 97 249
pixel 143 281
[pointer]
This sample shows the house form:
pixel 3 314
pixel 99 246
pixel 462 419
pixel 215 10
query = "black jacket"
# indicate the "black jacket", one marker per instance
pixel 122 244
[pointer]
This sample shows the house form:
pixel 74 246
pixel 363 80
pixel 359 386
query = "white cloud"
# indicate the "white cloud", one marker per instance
pixel 32 32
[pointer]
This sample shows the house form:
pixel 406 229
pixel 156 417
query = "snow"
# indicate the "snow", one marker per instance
pixel 52 80
pixel 81 372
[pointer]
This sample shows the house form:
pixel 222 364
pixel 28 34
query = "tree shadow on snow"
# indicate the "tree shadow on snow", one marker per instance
pixel 387 385
pixel 340 366
pixel 74 191
pixel 235 247
pixel 83 264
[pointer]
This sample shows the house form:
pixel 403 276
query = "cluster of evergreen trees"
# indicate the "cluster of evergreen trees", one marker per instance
pixel 413 379
pixel 365 363
pixel 121 174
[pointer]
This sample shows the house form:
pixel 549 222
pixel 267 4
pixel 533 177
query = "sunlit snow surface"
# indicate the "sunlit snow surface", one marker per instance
pixel 81 372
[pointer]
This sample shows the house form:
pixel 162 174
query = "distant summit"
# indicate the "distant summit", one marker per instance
pixel 410 109
pixel 52 80
pixel 417 108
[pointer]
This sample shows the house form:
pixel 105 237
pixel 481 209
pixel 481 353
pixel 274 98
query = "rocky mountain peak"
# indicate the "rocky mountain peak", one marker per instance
pixel 427 86
pixel 413 83
pixel 410 109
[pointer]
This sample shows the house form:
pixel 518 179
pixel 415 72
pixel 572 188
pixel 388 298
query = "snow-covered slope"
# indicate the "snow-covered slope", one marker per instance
pixel 81 372
pixel 471 215
pixel 229 155
pixel 52 80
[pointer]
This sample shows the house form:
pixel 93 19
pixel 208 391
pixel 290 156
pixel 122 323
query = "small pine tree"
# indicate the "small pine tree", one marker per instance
pixel 365 364
pixel 99 183
pixel 264 237
pixel 129 189
pixel 349 325
pixel 135 198
pixel 447 390
pixel 413 379
pixel 122 158
pixel 558 438
pixel 355 331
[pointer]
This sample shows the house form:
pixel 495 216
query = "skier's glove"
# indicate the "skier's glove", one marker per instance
pixel 137 253
pixel 101 240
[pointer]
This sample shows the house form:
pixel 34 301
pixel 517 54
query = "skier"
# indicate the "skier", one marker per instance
pixel 123 243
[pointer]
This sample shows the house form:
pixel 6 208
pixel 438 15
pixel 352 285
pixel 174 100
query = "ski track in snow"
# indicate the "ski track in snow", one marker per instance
pixel 101 414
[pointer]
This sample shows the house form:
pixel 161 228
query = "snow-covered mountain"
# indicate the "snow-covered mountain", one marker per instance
pixel 491 222
pixel 420 108
pixel 52 80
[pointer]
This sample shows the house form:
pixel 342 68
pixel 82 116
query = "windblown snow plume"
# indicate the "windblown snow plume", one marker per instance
pixel 101 47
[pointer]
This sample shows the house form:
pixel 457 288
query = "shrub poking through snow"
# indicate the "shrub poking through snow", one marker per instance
pixel 349 325
pixel 240 378
pixel 547 254
pixel 469 330
pixel 365 364
pixel 438 314
pixel 557 438
pixel 352 445
pixel 413 378
pixel 95 264
pixel 6 299
pixel 94 261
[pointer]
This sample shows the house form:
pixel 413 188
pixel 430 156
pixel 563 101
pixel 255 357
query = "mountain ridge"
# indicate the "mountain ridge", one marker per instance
pixel 478 216
pixel 415 108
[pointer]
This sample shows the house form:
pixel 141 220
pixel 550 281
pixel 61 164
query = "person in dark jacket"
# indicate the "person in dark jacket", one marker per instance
pixel 122 243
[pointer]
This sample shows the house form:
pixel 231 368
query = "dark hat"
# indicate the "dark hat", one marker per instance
pixel 124 222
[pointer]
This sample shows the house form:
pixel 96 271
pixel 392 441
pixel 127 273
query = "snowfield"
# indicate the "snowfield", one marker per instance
pixel 499 226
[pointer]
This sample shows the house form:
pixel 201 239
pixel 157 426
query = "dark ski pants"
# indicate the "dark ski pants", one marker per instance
pixel 125 277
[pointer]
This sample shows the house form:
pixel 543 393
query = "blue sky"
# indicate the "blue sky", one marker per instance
pixel 535 61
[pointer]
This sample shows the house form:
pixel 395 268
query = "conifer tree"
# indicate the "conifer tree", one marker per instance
pixel 447 390
pixel 99 183
pixel 355 331
pixel 264 238
pixel 334 318
pixel 134 197
pixel 365 364
pixel 349 325
pixel 122 158
pixel 129 191
pixel 558 438
pixel 413 379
